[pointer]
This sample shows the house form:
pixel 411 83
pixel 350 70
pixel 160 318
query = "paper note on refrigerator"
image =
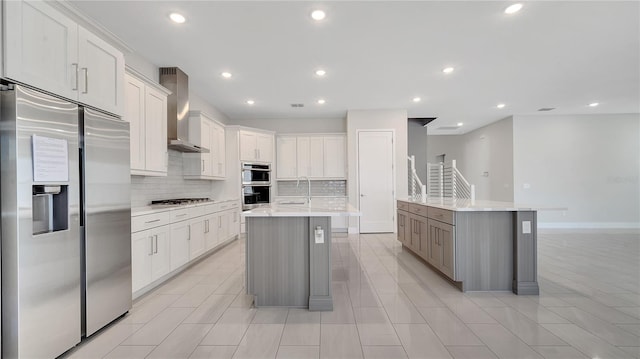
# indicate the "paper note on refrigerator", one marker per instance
pixel 50 159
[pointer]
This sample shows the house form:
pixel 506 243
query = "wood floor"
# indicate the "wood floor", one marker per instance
pixel 389 305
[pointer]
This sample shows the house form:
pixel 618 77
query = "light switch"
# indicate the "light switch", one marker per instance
pixel 319 235
pixel 526 227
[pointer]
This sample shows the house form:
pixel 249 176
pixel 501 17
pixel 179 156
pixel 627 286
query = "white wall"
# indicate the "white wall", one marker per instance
pixel 417 146
pixel 292 125
pixel 588 163
pixel 487 161
pixel 483 156
pixel 382 120
pixel 197 103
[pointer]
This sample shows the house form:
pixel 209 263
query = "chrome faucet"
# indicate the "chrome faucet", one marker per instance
pixel 308 188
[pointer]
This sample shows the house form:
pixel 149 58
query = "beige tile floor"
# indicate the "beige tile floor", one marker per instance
pixel 390 305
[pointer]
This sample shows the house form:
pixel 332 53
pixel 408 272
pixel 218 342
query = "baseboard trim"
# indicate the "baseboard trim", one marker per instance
pixel 589 225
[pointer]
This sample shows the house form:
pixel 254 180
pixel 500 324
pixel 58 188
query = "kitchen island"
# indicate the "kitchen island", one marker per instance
pixel 477 245
pixel 288 255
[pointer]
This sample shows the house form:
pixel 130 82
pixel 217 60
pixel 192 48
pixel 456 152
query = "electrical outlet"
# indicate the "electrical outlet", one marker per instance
pixel 526 227
pixel 526 186
pixel 319 235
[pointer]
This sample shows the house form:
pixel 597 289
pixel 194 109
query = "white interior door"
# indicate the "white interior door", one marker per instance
pixel 375 181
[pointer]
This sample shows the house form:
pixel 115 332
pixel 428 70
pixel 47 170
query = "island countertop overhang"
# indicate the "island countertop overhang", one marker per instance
pixel 287 210
pixel 467 205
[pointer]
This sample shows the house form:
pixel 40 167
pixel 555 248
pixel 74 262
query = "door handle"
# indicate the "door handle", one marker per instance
pixel 86 79
pixel 156 250
pixel 151 243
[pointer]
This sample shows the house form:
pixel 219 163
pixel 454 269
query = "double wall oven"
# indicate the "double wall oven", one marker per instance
pixel 256 184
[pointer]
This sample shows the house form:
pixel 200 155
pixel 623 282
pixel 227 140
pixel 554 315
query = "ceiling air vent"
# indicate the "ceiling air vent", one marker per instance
pixel 546 109
pixel 448 128
pixel 297 105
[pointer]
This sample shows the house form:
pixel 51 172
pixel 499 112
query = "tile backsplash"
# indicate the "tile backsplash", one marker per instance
pixel 146 189
pixel 318 188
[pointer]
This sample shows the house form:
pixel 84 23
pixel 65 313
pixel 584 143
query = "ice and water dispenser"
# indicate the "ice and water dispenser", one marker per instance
pixel 50 208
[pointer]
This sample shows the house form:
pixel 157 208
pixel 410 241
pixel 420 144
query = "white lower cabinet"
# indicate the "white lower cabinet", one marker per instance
pixel 210 232
pixel 180 233
pixel 196 237
pixel 150 256
pixel 165 241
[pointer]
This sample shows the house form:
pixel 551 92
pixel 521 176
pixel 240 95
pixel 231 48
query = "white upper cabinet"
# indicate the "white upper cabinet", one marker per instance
pixel 41 47
pixel 286 155
pixel 134 91
pixel 205 132
pixel 219 149
pixel 256 146
pixel 145 105
pixel 313 156
pixel 101 73
pixel 47 50
pixel 310 156
pixel 335 157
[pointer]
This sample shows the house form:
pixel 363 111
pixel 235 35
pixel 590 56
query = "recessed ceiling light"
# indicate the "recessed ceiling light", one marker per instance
pixel 226 75
pixel 321 101
pixel 321 72
pixel 447 70
pixel 512 9
pixel 318 15
pixel 460 124
pixel 593 104
pixel 250 102
pixel 501 105
pixel 417 99
pixel 177 18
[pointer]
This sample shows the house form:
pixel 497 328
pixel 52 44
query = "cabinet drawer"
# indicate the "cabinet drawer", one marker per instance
pixel 140 223
pixel 403 206
pixel 197 211
pixel 441 215
pixel 178 215
pixel 418 209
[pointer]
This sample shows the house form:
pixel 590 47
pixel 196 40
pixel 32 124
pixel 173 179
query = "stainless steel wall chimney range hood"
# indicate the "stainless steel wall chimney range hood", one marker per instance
pixel 178 110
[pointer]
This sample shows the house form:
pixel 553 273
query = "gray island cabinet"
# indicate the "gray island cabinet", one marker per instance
pixel 477 245
pixel 288 255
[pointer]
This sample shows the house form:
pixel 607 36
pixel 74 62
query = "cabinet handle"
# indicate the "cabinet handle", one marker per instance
pixel 151 243
pixel 155 220
pixel 86 79
pixel 203 166
pixel 189 237
pixel 206 225
pixel 75 72
pixel 219 222
pixel 156 238
pixel 181 215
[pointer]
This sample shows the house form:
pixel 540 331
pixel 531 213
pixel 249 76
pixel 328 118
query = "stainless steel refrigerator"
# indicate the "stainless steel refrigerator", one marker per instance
pixel 66 222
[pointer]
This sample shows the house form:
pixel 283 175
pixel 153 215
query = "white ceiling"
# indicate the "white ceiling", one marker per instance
pixel 382 54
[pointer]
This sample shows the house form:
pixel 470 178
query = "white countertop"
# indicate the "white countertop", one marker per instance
pixel 302 210
pixel 467 205
pixel 140 211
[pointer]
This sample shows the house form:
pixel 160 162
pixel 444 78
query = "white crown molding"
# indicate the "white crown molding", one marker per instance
pixel 85 21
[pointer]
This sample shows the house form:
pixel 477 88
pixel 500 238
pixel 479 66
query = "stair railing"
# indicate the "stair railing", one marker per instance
pixel 446 180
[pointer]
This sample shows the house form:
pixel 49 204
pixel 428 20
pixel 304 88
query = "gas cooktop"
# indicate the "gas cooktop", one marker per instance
pixel 179 201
